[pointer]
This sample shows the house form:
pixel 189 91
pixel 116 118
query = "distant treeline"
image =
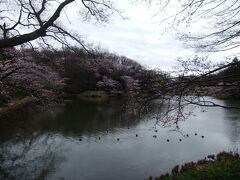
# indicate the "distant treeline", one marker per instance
pixel 218 80
pixel 48 74
pixel 227 81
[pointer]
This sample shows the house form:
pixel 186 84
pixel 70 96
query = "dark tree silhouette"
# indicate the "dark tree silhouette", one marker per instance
pixel 220 19
pixel 194 84
pixel 23 21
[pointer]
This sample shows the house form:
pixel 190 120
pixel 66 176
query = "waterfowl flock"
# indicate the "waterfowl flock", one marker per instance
pixel 154 136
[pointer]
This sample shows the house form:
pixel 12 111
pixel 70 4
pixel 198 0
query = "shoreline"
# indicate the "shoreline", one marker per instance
pixel 15 105
pixel 94 95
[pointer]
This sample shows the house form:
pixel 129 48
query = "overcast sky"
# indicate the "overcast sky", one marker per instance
pixel 140 36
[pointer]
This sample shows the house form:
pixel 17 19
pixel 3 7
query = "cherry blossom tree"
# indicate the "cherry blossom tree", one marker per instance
pixel 106 71
pixel 108 84
pixel 21 76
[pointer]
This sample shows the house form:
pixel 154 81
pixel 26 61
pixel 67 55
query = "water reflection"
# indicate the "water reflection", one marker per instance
pixel 29 157
pixel 30 145
pixel 108 140
pixel 232 116
pixel 90 118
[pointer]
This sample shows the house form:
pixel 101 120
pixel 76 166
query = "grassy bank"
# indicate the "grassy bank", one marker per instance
pixel 225 165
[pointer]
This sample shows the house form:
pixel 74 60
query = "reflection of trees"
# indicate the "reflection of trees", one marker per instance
pixel 29 157
pixel 80 117
pixel 28 148
pixel 233 115
pixel 89 117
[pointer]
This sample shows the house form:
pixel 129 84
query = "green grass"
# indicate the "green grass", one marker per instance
pixel 226 165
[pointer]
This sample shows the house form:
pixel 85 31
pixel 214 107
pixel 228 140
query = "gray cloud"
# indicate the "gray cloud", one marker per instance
pixel 138 37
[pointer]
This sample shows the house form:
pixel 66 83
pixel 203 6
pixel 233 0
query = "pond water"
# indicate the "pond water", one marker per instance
pixel 87 140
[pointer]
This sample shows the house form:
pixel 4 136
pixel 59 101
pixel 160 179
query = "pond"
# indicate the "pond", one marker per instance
pixel 90 140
